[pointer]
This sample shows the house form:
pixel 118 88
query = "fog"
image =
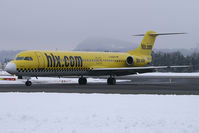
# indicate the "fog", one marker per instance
pixel 63 24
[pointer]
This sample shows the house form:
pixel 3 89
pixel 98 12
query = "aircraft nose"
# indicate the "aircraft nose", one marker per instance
pixel 11 68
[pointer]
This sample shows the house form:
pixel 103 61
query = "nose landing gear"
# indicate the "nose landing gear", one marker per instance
pixel 28 83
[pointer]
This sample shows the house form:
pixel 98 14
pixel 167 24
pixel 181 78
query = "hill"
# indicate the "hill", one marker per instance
pixel 105 44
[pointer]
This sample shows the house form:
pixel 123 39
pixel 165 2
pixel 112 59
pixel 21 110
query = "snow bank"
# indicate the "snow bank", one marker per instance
pixel 169 74
pixel 4 73
pixel 97 113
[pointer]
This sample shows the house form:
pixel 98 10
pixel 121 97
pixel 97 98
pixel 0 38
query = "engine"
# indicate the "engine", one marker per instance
pixel 129 60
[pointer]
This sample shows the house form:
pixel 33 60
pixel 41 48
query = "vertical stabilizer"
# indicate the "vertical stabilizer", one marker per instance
pixel 147 43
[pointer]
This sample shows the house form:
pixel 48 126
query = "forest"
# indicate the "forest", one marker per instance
pixel 176 58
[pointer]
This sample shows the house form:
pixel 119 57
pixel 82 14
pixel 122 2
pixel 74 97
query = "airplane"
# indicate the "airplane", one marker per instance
pixel 81 64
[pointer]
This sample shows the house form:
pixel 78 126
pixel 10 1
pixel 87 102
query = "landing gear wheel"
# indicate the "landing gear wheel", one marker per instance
pixel 111 81
pixel 20 77
pixel 28 83
pixel 82 81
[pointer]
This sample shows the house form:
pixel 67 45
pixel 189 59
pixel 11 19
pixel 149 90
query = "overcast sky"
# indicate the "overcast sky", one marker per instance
pixel 62 24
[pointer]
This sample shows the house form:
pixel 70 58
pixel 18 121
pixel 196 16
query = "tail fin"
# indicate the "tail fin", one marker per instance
pixel 147 43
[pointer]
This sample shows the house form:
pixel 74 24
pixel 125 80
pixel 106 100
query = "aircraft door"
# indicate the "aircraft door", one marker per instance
pixel 98 60
pixel 41 61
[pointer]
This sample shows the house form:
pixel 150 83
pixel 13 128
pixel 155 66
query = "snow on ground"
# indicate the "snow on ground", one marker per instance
pixel 48 80
pixel 52 80
pixel 169 74
pixel 3 73
pixel 97 113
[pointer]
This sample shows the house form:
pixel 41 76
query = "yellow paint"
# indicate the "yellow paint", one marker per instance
pixel 90 60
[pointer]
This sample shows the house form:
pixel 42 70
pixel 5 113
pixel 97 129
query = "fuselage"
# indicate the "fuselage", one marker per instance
pixel 61 63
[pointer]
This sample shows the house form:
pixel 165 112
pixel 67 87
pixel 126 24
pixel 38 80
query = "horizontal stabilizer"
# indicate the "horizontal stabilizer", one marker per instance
pixel 157 34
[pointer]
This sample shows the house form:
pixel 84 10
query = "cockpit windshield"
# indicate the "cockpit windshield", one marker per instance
pixel 19 58
pixel 24 58
pixel 28 58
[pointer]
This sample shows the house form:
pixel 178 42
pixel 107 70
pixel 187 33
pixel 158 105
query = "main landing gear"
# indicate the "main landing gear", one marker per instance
pixel 28 83
pixel 111 81
pixel 82 81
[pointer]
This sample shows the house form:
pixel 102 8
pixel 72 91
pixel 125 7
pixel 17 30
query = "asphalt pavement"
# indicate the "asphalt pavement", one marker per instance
pixel 177 87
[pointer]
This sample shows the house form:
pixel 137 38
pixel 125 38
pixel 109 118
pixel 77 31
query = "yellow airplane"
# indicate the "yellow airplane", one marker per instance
pixel 82 64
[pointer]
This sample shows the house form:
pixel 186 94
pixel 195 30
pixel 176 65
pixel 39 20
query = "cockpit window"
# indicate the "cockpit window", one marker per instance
pixel 28 58
pixel 19 58
pixel 24 58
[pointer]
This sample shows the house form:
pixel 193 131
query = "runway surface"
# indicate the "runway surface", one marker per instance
pixel 183 88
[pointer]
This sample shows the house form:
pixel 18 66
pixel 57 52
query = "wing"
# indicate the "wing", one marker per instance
pixel 129 70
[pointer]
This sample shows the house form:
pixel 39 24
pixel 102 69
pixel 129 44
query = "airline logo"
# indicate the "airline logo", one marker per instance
pixel 67 61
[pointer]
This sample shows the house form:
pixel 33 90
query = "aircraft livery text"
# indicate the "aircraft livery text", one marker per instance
pixel 68 61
